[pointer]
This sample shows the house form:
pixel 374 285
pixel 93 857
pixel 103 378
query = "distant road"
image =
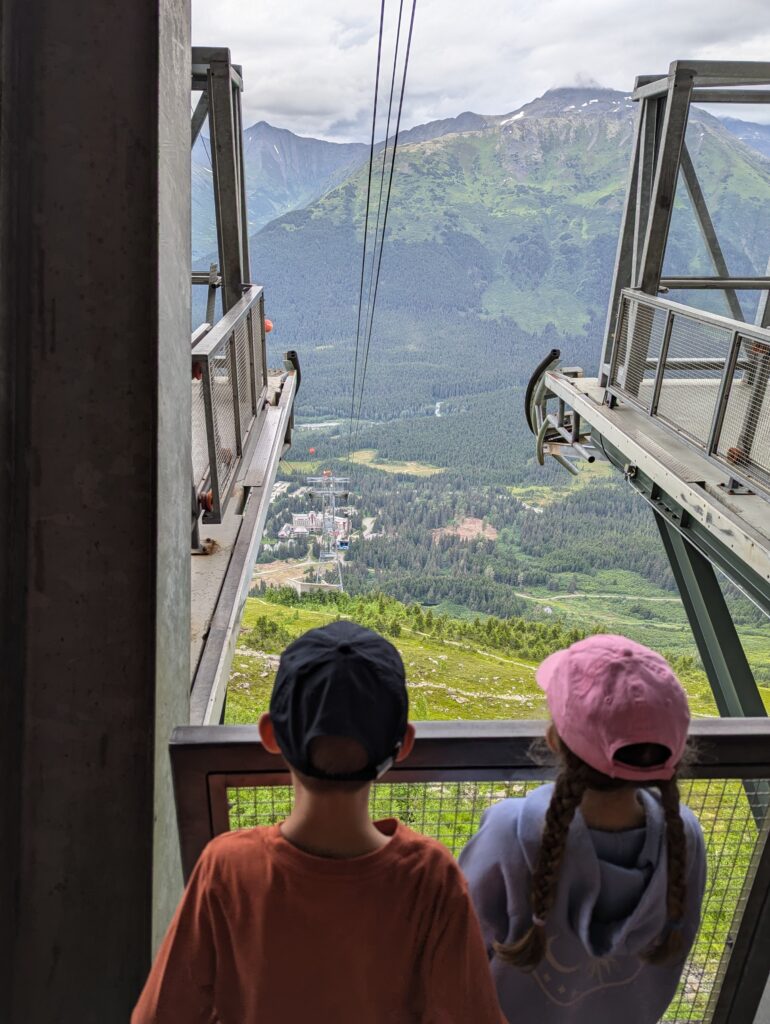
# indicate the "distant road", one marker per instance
pixel 614 596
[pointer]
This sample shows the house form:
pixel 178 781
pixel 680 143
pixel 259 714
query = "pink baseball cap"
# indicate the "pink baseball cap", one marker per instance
pixel 607 692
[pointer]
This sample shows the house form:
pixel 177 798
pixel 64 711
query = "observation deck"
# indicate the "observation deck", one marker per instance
pixel 242 412
pixel 224 779
pixel 119 472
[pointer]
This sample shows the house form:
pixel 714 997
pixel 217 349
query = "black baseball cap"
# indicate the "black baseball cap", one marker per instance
pixel 340 680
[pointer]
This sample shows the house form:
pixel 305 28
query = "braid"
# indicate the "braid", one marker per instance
pixel 571 784
pixel 670 942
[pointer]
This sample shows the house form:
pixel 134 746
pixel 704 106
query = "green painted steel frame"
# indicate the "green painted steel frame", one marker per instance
pixel 719 645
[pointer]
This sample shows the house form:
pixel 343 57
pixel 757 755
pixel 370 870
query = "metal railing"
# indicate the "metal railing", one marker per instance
pixel 224 779
pixel 229 379
pixel 704 376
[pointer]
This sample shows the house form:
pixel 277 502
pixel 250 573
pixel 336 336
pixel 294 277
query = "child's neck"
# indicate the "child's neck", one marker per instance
pixel 612 810
pixel 332 824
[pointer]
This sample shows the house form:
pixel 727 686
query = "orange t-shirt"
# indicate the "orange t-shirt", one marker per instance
pixel 268 934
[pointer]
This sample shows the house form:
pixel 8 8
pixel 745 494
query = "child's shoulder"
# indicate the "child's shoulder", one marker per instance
pixel 419 846
pixel 505 814
pixel 420 853
pixel 242 846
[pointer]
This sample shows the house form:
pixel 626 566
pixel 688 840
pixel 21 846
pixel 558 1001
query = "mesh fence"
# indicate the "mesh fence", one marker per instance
pixel 697 355
pixel 640 339
pixel 225 445
pixel 200 443
pixel 245 383
pixel 744 441
pixel 451 812
pixel 228 377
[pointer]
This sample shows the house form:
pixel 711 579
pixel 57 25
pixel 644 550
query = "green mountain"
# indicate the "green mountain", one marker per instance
pixel 755 135
pixel 283 171
pixel 501 239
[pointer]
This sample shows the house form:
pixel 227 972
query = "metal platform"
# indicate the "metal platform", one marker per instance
pixel 685 484
pixel 681 401
pixel 221 574
pixel 242 414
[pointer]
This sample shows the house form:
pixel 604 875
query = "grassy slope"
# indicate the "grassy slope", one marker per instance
pixel 447 679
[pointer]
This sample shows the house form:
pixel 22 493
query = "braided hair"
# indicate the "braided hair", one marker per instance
pixel 574 778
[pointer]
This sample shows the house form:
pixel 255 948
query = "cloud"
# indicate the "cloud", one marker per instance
pixel 310 66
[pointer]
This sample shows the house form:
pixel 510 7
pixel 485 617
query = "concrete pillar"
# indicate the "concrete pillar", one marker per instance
pixel 94 495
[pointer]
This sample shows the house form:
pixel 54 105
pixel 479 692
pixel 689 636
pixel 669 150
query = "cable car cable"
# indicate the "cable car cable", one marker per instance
pixel 366 224
pixel 384 162
pixel 368 338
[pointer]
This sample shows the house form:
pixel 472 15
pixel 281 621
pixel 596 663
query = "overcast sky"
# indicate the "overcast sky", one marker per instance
pixel 309 64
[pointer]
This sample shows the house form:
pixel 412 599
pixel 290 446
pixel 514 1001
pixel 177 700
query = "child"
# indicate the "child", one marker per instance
pixel 589 890
pixel 328 917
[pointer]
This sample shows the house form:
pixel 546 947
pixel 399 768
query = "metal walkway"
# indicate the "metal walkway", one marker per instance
pixel 242 412
pixel 681 407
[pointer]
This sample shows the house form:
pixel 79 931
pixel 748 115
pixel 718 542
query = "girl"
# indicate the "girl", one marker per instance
pixel 589 890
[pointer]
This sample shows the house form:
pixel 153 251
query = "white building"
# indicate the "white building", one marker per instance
pixel 303 523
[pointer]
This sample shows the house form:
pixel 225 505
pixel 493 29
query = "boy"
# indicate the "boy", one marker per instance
pixel 327 917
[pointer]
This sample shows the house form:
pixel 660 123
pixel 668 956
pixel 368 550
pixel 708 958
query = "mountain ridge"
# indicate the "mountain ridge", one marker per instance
pixel 286 171
pixel 502 233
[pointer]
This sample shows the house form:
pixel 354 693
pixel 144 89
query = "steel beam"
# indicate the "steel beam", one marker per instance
pixel 727 72
pixel 645 176
pixel 199 116
pixel 732 681
pixel 707 230
pixel 762 319
pixel 227 168
pixel 730 96
pixel 666 173
pixel 624 256
pixel 717 283
pixel 652 90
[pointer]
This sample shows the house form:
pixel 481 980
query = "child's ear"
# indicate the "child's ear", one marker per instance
pixel 407 743
pixel 267 734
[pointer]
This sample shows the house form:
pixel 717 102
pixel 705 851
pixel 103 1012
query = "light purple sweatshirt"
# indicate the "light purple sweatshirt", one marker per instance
pixel 610 907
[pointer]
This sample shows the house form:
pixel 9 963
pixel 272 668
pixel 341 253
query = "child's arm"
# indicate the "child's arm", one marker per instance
pixel 458 985
pixel 180 986
pixel 480 862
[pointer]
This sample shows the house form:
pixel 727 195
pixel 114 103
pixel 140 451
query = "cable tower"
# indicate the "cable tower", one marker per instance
pixel 333 492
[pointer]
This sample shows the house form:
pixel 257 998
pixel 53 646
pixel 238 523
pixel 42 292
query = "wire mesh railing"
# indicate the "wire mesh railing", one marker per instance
pixel 224 780
pixel 228 386
pixel 451 812
pixel 705 376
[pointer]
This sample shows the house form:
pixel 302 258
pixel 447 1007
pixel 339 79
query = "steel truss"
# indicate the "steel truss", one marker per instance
pixel 331 490
pixel 711 499
pixel 243 413
pixel 220 84
pixel 659 158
